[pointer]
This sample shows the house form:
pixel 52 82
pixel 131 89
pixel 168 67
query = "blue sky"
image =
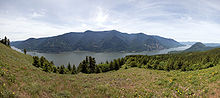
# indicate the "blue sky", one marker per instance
pixel 182 20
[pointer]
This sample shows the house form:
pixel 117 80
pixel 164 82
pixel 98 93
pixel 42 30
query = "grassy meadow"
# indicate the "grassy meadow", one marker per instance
pixel 19 78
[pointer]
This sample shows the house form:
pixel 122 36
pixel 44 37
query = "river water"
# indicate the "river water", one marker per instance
pixel 76 57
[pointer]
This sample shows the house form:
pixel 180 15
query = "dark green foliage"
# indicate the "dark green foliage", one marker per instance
pixel 83 67
pixel 92 65
pixel 69 67
pixel 181 61
pixel 116 64
pixel 63 70
pixel 103 67
pixel 89 65
pixel 74 69
pixel 5 41
pixel 47 66
pixel 25 51
pixel 111 66
pixel 36 61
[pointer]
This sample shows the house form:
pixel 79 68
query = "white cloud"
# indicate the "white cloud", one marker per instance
pixel 36 14
pixel 101 16
pixel 186 20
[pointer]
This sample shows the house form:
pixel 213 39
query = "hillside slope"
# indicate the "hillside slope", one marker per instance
pixel 20 79
pixel 97 41
pixel 198 47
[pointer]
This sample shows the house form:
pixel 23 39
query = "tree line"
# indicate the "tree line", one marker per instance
pixel 181 61
pixel 86 66
pixel 47 66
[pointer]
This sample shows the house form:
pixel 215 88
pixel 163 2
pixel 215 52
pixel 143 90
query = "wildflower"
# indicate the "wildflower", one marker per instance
pixel 3 84
pixel 13 93
pixel 171 80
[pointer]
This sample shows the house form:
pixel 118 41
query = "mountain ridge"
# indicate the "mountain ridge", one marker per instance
pixel 97 41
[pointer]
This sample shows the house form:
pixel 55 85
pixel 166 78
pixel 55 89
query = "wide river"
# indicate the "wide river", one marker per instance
pixel 76 57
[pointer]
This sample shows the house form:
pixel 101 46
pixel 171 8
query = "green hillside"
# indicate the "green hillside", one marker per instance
pixel 19 78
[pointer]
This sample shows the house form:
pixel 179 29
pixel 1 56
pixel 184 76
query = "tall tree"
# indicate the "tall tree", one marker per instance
pixel 62 69
pixel 111 66
pixel 83 67
pixel 116 64
pixel 74 69
pixel 36 61
pixel 92 65
pixel 25 51
pixel 69 67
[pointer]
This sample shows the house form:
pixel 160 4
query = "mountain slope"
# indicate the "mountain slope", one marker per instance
pixel 98 41
pixel 23 80
pixel 198 47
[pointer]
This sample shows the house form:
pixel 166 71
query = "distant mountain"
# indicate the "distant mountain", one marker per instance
pixel 207 44
pixel 97 41
pixel 198 47
pixel 212 44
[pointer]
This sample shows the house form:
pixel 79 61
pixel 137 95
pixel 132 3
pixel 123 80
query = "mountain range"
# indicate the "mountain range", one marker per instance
pixel 97 41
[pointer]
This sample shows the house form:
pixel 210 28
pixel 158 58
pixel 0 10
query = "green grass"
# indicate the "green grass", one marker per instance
pixel 19 78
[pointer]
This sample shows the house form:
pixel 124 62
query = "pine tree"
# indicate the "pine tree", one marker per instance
pixel 62 70
pixel 69 67
pixel 42 61
pixel 5 41
pixel 25 51
pixel 87 60
pixel 74 69
pixel 116 64
pixel 83 67
pixel 92 65
pixel 111 66
pixel 54 69
pixel 36 61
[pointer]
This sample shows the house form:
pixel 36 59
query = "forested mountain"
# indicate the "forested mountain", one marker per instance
pixel 97 41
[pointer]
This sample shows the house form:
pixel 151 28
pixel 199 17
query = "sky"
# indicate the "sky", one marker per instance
pixel 182 20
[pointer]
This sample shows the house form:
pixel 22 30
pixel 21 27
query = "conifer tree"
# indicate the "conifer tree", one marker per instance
pixel 116 65
pixel 92 65
pixel 111 66
pixel 36 61
pixel 54 69
pixel 69 67
pixel 74 69
pixel 83 67
pixel 62 69
pixel 25 51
